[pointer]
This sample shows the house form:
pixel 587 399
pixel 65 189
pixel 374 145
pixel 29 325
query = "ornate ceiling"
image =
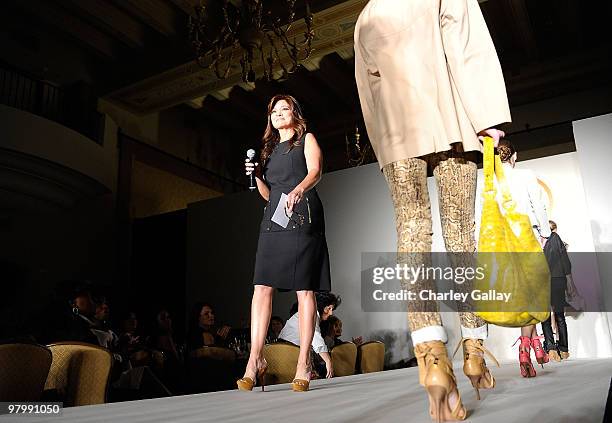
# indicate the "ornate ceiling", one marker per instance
pixel 136 53
pixel 188 82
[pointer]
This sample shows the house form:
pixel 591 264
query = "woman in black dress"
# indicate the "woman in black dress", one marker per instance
pixel 295 257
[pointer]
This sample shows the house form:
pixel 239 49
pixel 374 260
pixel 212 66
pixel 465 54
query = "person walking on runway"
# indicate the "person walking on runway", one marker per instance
pixel 429 84
pixel 292 257
pixel 527 195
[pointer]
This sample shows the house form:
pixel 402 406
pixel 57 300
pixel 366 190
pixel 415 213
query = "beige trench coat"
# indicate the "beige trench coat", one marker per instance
pixel 428 76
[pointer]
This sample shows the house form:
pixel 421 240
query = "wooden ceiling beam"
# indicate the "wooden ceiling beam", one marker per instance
pixel 110 19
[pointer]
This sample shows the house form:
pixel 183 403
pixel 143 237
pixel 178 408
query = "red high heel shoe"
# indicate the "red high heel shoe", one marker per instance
pixel 527 369
pixel 541 356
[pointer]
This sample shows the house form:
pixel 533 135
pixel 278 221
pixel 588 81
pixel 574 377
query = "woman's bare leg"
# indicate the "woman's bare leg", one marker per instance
pixel 307 313
pixel 261 311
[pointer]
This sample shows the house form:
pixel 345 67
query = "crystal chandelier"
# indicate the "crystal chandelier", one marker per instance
pixel 248 29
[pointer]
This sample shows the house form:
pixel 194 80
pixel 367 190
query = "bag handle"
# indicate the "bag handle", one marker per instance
pixel 488 163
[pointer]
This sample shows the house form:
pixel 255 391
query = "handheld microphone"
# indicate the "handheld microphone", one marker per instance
pixel 250 156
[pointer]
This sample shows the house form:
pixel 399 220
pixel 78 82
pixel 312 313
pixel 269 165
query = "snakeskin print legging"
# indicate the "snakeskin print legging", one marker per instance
pixel 456 180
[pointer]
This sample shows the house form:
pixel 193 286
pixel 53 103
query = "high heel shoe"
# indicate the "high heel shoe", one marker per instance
pixel 436 375
pixel 247 384
pixel 301 385
pixel 541 356
pixel 474 365
pixel 527 369
pixel 554 355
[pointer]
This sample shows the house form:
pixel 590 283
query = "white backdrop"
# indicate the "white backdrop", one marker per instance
pixel 359 218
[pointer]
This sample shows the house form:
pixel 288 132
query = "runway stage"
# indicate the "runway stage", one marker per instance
pixel 571 391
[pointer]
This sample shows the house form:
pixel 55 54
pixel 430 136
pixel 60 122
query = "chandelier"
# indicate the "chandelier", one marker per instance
pixel 220 30
pixel 358 152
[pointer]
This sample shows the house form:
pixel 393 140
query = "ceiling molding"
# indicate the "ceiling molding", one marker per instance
pixel 334 32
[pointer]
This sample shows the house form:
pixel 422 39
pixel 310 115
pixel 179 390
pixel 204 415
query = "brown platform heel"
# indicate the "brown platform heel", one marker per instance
pixel 436 375
pixel 247 384
pixel 474 365
pixel 301 385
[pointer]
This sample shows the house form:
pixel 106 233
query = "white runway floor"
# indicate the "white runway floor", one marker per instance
pixel 571 391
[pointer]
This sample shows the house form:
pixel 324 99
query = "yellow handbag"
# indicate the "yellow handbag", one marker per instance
pixel 512 263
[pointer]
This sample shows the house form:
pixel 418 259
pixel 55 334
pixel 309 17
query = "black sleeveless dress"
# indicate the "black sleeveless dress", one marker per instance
pixel 294 258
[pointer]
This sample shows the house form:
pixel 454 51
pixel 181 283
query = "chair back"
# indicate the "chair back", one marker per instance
pixel 80 373
pixel 211 369
pixel 344 357
pixel 23 371
pixel 214 353
pixel 282 358
pixel 371 357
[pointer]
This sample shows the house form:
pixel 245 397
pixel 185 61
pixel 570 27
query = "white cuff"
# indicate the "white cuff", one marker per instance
pixel 481 332
pixel 429 333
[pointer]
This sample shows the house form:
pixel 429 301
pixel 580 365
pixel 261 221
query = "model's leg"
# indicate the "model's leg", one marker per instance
pixel 261 311
pixel 307 314
pixel 562 344
pixel 407 180
pixel 456 180
pixel 549 337
pixel 525 339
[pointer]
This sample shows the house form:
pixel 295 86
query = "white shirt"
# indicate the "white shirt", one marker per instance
pixel 291 333
pixel 526 193
pixel 106 338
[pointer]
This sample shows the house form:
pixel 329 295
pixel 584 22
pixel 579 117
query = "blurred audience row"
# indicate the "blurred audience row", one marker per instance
pixel 177 365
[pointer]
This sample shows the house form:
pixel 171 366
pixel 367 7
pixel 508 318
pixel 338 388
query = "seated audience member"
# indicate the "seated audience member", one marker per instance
pixel 331 329
pixel 132 343
pixel 207 374
pixel 203 331
pixel 170 370
pixel 107 338
pixel 163 336
pixel 78 319
pixel 326 304
pixel 275 328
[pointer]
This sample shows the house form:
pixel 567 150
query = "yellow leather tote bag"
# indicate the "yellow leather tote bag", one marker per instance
pixel 510 255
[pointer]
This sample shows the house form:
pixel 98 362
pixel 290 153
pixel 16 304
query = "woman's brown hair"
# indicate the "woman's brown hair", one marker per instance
pixel 505 149
pixel 271 136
